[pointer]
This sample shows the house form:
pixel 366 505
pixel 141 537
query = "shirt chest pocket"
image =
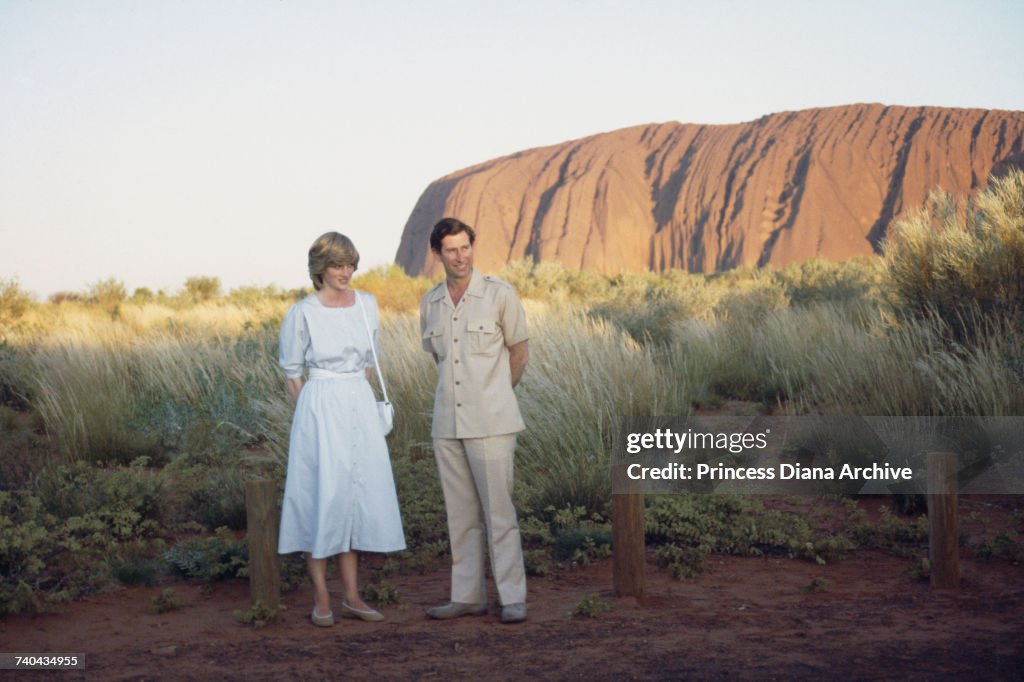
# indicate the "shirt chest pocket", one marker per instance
pixel 483 335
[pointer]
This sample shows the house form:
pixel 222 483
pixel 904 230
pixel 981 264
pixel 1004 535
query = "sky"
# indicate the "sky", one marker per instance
pixel 155 140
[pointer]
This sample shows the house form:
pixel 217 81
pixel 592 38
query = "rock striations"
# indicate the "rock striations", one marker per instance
pixel 782 189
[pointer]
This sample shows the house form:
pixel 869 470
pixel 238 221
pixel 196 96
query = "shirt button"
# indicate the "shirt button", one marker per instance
pixel 455 319
pixel 458 383
pixel 458 404
pixel 456 362
pixel 456 341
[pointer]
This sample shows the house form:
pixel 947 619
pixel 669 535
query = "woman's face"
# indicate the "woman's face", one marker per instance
pixel 337 278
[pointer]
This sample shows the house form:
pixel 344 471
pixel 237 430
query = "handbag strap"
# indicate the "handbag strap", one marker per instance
pixel 369 334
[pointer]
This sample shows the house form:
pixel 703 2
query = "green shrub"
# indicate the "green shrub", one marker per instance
pixel 220 499
pixel 259 614
pixel 202 288
pixel 684 562
pixel 692 526
pixel 743 307
pixel 817 584
pixel 962 264
pixel 138 571
pixel 166 601
pixel 45 559
pixel 537 538
pixel 649 318
pixel 137 562
pixel 819 281
pixel 583 545
pixel 206 496
pixel 13 384
pixel 534 531
pixel 550 280
pixel 254 296
pixel 393 289
pixel 24 448
pixel 1004 545
pixel 108 294
pixel 59 297
pixel 25 547
pixel 209 559
pixel 14 302
pixel 890 532
pixel 591 606
pixel 380 593
pixel 130 501
pixel 537 561
pixel 142 295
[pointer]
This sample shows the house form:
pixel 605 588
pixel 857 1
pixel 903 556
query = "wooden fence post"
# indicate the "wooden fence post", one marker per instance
pixel 943 529
pixel 628 536
pixel 261 534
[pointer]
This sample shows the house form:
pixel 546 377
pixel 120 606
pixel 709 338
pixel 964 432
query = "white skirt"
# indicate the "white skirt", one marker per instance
pixel 340 493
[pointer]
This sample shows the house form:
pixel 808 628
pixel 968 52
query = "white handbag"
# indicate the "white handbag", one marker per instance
pixel 384 407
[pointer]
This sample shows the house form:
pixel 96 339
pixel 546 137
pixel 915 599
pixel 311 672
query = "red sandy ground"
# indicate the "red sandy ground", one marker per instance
pixel 743 618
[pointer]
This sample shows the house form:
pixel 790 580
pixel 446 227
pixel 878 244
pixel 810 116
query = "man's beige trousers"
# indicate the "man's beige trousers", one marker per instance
pixel 476 478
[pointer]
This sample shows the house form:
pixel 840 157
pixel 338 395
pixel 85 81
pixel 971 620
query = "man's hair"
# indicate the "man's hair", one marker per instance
pixel 446 227
pixel 330 249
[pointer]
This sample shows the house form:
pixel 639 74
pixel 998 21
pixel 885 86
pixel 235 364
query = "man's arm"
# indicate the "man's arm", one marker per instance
pixel 518 356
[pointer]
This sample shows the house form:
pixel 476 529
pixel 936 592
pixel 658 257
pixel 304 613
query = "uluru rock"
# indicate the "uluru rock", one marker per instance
pixel 782 189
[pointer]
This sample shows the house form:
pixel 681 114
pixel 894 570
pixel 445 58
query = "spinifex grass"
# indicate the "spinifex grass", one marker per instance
pixel 92 378
pixel 583 373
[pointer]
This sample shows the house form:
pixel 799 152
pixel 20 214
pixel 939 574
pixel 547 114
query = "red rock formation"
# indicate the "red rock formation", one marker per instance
pixel 782 189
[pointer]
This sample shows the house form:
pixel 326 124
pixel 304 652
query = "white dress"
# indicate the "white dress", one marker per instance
pixel 340 493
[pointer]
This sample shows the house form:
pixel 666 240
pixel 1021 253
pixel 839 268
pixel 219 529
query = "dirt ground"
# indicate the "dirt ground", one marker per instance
pixel 743 618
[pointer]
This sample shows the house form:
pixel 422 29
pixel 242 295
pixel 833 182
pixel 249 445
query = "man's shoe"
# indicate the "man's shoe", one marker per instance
pixel 513 613
pixel 455 609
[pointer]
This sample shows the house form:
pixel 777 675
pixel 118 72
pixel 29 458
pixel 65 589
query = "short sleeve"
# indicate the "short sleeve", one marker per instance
pixel 513 319
pixel 293 343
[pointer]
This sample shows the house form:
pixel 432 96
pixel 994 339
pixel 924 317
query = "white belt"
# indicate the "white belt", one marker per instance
pixel 318 373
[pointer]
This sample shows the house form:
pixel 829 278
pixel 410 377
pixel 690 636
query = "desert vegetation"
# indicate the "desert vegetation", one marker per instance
pixel 130 422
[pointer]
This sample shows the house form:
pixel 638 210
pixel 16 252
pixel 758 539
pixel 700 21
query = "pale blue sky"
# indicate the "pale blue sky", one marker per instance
pixel 153 140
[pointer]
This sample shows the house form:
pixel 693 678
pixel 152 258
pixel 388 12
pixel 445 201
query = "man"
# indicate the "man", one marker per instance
pixel 475 328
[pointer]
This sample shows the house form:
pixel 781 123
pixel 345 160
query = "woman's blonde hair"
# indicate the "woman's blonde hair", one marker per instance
pixel 330 250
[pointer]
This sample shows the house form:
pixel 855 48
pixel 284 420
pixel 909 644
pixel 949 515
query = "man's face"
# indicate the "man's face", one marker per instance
pixel 457 256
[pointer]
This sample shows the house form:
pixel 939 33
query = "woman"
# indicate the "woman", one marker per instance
pixel 339 497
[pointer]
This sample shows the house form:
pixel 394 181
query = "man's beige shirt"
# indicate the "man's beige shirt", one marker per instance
pixel 470 342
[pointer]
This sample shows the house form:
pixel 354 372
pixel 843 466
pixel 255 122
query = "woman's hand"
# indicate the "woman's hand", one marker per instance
pixel 294 387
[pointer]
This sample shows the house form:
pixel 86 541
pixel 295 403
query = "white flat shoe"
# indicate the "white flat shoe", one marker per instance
pixel 323 621
pixel 352 612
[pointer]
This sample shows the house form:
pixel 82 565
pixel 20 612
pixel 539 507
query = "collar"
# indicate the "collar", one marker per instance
pixel 476 285
pixel 475 288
